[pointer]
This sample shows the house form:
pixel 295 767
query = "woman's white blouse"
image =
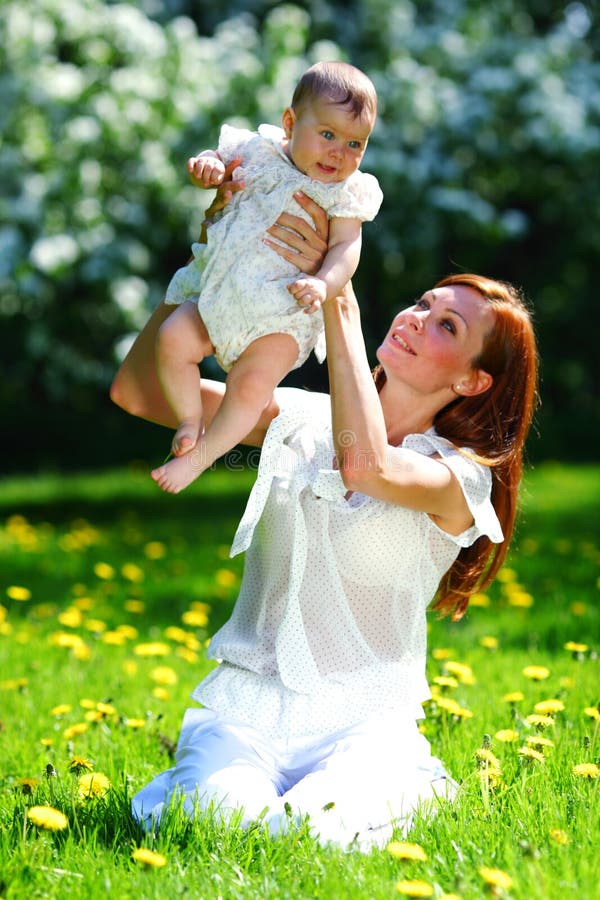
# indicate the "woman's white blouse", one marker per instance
pixel 330 622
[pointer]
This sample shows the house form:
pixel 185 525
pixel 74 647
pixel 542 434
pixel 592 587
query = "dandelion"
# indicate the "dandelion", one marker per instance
pixel 104 571
pixel 403 850
pixel 463 672
pixel 496 878
pixel 128 631
pixel 445 681
pixel 520 599
pixel 593 712
pixel 61 710
pixel 74 730
pixel 225 577
pixel 481 600
pixel 135 606
pixel 154 648
pixel 535 740
pixel 160 693
pixel 586 770
pixel 559 836
pixel 507 735
pixel 185 653
pixel 155 550
pixel 489 642
pixel 486 756
pixel 195 618
pixel 415 888
pixel 547 707
pixel 453 708
pixel 531 753
pixel 94 784
pixel 29 785
pixel 540 721
pixel 576 648
pixel 164 675
pixel 149 858
pixel 578 608
pixel 79 764
pixel 47 817
pixel 135 723
pixel 514 697
pixel 506 575
pixel 536 673
pixel 71 617
pixel 132 572
pixel 18 592
pixel 441 653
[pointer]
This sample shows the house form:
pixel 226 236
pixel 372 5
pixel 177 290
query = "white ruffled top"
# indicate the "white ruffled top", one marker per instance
pixel 330 623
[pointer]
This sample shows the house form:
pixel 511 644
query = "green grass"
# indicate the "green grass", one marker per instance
pixel 112 565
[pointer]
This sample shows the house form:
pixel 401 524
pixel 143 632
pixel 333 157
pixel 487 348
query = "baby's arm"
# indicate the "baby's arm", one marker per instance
pixel 206 170
pixel 338 266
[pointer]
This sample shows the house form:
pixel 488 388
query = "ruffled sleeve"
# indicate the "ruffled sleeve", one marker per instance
pixel 360 197
pixel 475 480
pixel 232 142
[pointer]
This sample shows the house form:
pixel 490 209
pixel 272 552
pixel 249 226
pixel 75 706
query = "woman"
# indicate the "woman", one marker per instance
pixel 393 492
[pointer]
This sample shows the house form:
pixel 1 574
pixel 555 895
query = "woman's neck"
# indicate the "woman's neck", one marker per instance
pixel 404 414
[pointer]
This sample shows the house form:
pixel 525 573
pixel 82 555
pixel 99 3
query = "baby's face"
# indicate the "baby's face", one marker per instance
pixel 325 140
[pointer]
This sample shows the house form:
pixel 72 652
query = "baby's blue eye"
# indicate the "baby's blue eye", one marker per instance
pixel 355 145
pixel 328 135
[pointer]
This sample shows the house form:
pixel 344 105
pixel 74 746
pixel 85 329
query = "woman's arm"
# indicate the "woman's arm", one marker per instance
pixel 366 460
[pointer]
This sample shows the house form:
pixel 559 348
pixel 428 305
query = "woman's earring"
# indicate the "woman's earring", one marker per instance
pixel 457 388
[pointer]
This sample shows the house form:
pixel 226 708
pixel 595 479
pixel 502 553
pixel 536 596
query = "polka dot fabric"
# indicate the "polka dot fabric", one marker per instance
pixel 330 623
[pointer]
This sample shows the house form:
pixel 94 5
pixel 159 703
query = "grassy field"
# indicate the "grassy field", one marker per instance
pixel 109 591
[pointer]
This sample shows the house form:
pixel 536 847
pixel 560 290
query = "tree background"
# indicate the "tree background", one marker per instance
pixel 487 150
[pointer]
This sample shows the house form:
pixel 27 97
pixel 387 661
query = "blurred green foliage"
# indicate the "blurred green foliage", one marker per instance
pixel 487 149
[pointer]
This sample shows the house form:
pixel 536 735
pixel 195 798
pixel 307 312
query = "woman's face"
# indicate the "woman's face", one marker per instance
pixel 431 345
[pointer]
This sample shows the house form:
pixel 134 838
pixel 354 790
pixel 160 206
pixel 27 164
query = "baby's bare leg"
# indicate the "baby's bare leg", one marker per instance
pixel 181 343
pixel 250 385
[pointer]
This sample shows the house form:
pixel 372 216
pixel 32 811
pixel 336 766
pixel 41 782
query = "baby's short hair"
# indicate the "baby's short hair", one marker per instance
pixel 339 83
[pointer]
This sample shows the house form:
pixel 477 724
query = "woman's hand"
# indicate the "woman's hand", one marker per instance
pixel 296 240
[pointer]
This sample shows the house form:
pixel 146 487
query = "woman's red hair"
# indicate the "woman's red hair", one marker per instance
pixel 493 426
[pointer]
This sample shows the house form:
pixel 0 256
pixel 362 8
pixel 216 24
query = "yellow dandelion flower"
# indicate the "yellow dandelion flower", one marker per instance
pixel 593 712
pixel 441 653
pixel 13 684
pixel 506 575
pixel 114 638
pixel 536 673
pixel 415 888
pixel 225 577
pixel 164 675
pixel 106 709
pixel 74 730
pixel 61 710
pixel 547 707
pixel 520 599
pixel 574 647
pixel 480 600
pixel 486 756
pixel 496 878
pixel 95 625
pixel 86 703
pixel 155 648
pixel 454 708
pixel 155 550
pixel 135 606
pixel 514 697
pixel 490 776
pixel 446 681
pixel 47 817
pixel 403 850
pixel 450 897
pixel 463 672
pixel 535 740
pixel 28 785
pixel 185 653
pixel 80 764
pixel 104 571
pixel 132 572
pixel 160 693
pixel 135 723
pixel 586 770
pixel 540 721
pixel 130 667
pixel 71 617
pixel 530 753
pixel 18 592
pixel 196 618
pixel 177 634
pixel 149 858
pixel 507 735
pixel 128 632
pixel 489 642
pixel 559 836
pixel 94 784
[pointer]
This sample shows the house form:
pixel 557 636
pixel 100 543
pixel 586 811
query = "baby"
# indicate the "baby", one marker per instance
pixel 233 297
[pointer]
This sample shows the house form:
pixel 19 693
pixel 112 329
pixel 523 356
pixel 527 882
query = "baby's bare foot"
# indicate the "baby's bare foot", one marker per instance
pixel 178 473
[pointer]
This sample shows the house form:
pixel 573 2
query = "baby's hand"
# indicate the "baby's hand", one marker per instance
pixel 206 171
pixel 309 292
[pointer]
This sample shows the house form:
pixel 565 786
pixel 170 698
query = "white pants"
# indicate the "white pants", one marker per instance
pixel 355 785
